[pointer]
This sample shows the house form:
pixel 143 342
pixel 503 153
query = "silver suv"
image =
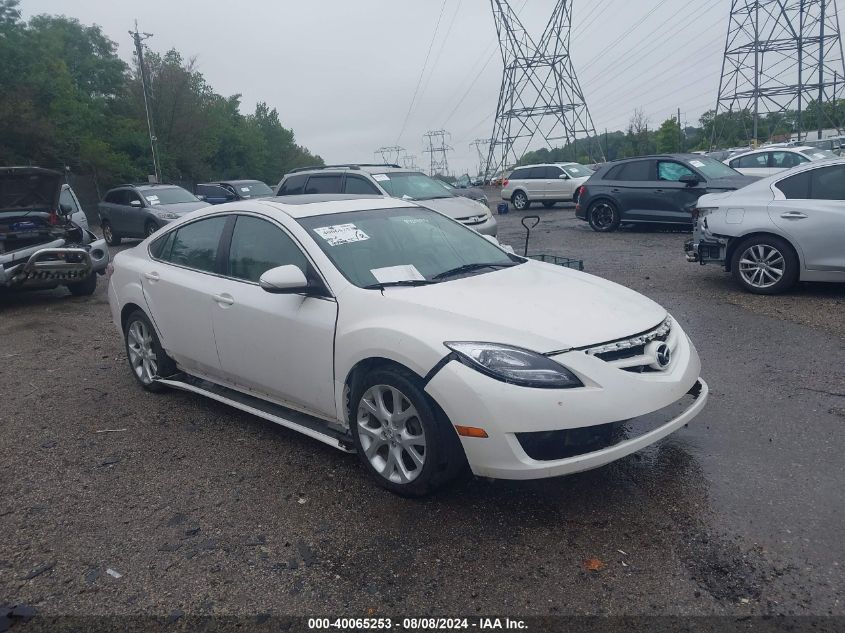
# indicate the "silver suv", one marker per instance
pixel 549 184
pixel 391 181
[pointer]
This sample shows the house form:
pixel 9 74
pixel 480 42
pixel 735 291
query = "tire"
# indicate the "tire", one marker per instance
pixel 108 234
pixel 549 205
pixel 137 330
pixel 765 265
pixel 603 216
pixel 396 465
pixel 149 229
pixel 520 201
pixel 84 288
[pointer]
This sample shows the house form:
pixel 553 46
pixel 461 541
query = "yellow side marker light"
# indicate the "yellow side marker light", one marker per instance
pixel 470 431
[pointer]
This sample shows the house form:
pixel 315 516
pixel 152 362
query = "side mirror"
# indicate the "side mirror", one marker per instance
pixel 135 203
pixel 690 180
pixel 564 177
pixel 65 209
pixel 201 197
pixel 284 280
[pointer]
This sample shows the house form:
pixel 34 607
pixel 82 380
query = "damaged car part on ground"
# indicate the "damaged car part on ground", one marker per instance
pixel 384 328
pixel 41 247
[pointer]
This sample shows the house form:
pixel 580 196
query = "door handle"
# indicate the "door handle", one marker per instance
pixel 658 191
pixel 615 190
pixel 224 300
pixel 152 276
pixel 794 215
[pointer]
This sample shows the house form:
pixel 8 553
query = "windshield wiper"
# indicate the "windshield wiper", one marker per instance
pixel 470 268
pixel 396 284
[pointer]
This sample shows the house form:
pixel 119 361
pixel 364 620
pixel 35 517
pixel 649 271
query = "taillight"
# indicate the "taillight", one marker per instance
pixel 505 183
pixel 582 190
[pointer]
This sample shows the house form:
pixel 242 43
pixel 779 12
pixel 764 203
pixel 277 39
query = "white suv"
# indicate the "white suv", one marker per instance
pixel 549 184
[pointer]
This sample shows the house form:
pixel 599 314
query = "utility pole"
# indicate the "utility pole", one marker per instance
pixel 540 97
pixel 481 146
pixel 780 57
pixel 139 38
pixel 438 150
pixel 680 133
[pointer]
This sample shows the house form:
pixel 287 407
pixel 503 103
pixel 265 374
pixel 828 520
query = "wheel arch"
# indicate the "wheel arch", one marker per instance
pixel 736 242
pixel 522 191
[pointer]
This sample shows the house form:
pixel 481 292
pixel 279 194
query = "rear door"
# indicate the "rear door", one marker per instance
pixel 179 289
pixel 115 207
pixel 632 185
pixel 281 346
pixel 813 214
pixel 536 183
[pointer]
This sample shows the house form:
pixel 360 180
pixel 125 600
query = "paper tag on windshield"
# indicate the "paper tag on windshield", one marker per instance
pixel 245 189
pixel 341 234
pixel 381 177
pixel 153 200
pixel 696 163
pixel 392 274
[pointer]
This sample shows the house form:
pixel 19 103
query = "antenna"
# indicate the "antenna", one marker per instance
pixel 540 94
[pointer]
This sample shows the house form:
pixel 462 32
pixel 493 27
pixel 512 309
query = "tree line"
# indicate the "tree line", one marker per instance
pixel 68 101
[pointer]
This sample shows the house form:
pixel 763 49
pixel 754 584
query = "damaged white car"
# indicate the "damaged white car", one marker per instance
pixel 41 246
pixel 384 328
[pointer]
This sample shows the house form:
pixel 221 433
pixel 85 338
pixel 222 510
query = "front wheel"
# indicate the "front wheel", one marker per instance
pixel 403 441
pixel 147 359
pixel 109 236
pixel 520 201
pixel 150 228
pixel 603 216
pixel 765 265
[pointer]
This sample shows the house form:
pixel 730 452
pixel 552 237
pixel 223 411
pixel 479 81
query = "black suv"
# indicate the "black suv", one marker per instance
pixel 231 190
pixel 649 189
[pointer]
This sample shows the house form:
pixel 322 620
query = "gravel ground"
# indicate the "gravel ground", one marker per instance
pixel 203 509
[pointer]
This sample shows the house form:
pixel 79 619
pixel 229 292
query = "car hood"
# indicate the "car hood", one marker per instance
pixel 182 208
pixel 537 306
pixel 457 207
pixel 29 189
pixel 731 183
pixel 473 193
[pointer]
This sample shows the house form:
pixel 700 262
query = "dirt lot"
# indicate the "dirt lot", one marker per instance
pixel 206 510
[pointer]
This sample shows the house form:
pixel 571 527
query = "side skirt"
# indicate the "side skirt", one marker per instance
pixel 301 422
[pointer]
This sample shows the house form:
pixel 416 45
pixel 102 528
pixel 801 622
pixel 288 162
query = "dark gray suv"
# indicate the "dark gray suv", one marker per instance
pixel 138 211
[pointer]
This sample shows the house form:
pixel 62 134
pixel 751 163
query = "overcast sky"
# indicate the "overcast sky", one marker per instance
pixel 342 73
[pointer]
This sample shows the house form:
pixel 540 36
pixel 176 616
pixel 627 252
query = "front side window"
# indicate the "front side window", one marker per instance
pixel 324 184
pixel 394 245
pixel 785 160
pixel 293 186
pixel 119 196
pixel 195 245
pixel 257 246
pixel 553 173
pixel 168 195
pixel 828 183
pixel 673 172
pixel 133 196
pixel 360 186
pixel 412 186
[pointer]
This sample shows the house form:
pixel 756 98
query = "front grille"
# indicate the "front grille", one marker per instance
pixel 471 221
pixel 634 354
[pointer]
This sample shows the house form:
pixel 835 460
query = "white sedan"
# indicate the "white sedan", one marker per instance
pixel 773 160
pixel 386 329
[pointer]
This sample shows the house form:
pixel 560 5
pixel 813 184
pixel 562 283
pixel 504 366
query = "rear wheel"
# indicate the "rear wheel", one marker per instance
pixel 108 234
pixel 603 216
pixel 520 201
pixel 765 265
pixel 150 228
pixel 403 441
pixel 147 359
pixel 84 288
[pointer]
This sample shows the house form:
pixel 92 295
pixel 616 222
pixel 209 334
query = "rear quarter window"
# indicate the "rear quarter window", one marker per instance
pixel 796 187
pixel 292 186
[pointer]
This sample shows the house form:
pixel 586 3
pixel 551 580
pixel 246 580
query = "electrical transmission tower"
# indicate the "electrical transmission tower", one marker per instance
pixel 438 150
pixel 409 161
pixel 390 155
pixel 482 147
pixel 781 56
pixel 540 94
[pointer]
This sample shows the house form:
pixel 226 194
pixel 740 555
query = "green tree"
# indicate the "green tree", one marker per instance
pixel 667 137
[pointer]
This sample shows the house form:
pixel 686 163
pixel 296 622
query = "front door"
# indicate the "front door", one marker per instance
pixel 558 184
pixel 178 287
pixel 674 200
pixel 813 215
pixel 281 346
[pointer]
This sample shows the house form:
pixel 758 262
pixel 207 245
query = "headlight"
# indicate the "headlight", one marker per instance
pixel 515 365
pixel 166 215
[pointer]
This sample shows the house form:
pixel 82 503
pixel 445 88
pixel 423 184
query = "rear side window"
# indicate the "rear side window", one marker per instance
pixel 257 246
pixel 195 245
pixel 797 187
pixel 292 186
pixel 520 174
pixel 636 171
pixel 754 161
pixel 360 186
pixel 828 183
pixel 324 184
pixel 537 173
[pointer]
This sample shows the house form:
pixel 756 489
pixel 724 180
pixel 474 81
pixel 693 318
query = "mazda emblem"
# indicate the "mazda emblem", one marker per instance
pixel 664 355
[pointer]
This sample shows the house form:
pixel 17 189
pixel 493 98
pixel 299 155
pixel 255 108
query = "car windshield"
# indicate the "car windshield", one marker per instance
pixel 412 186
pixel 168 195
pixel 403 246
pixel 578 171
pixel 712 168
pixel 254 189
pixel 819 154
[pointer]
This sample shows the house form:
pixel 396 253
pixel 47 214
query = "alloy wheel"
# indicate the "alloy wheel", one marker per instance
pixel 391 434
pixel 142 356
pixel 520 201
pixel 762 266
pixel 107 233
pixel 150 229
pixel 603 215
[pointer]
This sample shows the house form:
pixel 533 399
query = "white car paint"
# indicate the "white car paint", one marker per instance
pixel 298 351
pixel 768 161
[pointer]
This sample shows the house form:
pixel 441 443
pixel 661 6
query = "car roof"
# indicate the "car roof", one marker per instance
pixel 228 182
pixel 546 165
pixel 354 168
pixel 307 206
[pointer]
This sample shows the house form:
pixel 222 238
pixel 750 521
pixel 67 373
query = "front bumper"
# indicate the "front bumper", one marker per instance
pixel 488 227
pixel 610 395
pixel 53 264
